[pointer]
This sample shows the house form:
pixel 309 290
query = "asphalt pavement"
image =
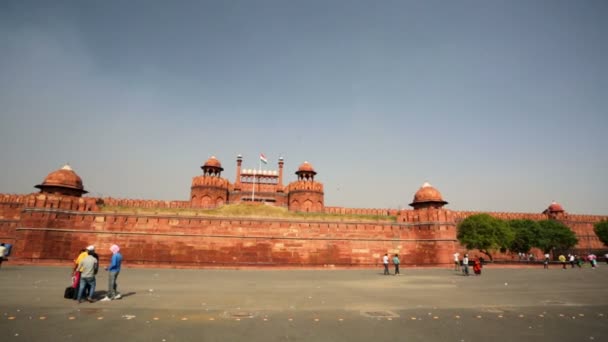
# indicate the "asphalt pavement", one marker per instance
pixel 530 304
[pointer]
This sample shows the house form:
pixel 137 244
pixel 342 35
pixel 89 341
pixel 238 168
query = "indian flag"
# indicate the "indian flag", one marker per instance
pixel 263 158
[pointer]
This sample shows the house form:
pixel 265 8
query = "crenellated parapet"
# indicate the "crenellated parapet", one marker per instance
pixel 12 198
pixel 305 186
pixel 209 181
pixel 11 205
pixel 585 218
pixel 461 215
pixel 54 201
pixel 361 211
pixel 427 214
pixel 139 203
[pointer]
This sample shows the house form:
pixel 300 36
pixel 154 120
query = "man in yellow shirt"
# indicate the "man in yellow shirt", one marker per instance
pixel 562 259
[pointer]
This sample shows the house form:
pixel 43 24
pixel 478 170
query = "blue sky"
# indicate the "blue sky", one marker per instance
pixel 502 105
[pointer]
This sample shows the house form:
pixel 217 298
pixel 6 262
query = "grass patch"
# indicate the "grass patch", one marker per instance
pixel 247 210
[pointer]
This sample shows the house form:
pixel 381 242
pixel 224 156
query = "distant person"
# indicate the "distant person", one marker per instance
pixel 88 270
pixel 456 261
pixel 592 260
pixel 571 260
pixel 477 266
pixel 465 264
pixel 385 263
pixel 579 261
pixel 562 259
pixel 546 262
pixel 606 258
pixel 114 270
pixel 396 263
pixel 2 253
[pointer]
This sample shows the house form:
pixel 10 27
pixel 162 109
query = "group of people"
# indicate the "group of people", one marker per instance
pixel 385 262
pixel 85 271
pixel 574 260
pixel 463 265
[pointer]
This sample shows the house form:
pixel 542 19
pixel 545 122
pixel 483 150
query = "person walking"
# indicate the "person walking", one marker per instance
pixel 396 263
pixel 546 262
pixel 2 253
pixel 592 260
pixel 88 270
pixel 456 261
pixel 477 266
pixel 571 260
pixel 114 270
pixel 465 264
pixel 562 259
pixel 385 263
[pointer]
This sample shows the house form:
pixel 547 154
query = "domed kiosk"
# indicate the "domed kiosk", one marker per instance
pixel 555 211
pixel 306 194
pixel 212 167
pixel 209 190
pixel 306 172
pixel 62 182
pixel 427 197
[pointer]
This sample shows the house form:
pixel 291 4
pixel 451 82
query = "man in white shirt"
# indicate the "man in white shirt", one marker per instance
pixel 385 262
pixel 2 253
pixel 465 264
pixel 456 261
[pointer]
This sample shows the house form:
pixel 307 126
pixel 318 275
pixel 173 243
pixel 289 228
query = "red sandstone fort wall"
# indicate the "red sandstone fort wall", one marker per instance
pixel 47 227
pixel 154 239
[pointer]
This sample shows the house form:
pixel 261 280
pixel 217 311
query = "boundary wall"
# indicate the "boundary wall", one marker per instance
pixel 47 228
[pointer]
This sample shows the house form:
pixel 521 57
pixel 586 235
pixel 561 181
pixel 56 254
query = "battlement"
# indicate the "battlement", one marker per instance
pixel 426 215
pixel 461 215
pixel 305 186
pixel 210 182
pixel 585 218
pixel 361 211
pixel 138 203
pixel 13 198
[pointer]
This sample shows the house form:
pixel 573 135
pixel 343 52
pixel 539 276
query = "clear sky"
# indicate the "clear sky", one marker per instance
pixel 501 105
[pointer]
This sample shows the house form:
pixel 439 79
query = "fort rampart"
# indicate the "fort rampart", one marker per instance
pixel 48 228
pixel 56 223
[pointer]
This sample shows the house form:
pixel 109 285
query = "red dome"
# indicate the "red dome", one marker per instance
pixel 427 194
pixel 555 207
pixel 213 162
pixel 63 178
pixel 306 167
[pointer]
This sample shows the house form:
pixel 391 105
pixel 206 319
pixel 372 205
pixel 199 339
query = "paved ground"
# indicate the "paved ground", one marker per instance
pixel 304 305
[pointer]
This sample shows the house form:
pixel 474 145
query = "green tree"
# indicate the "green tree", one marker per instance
pixel 485 233
pixel 554 234
pixel 526 236
pixel 601 230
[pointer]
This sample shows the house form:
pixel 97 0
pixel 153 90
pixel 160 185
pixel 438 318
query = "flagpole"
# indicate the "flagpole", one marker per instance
pixel 259 172
pixel 253 188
